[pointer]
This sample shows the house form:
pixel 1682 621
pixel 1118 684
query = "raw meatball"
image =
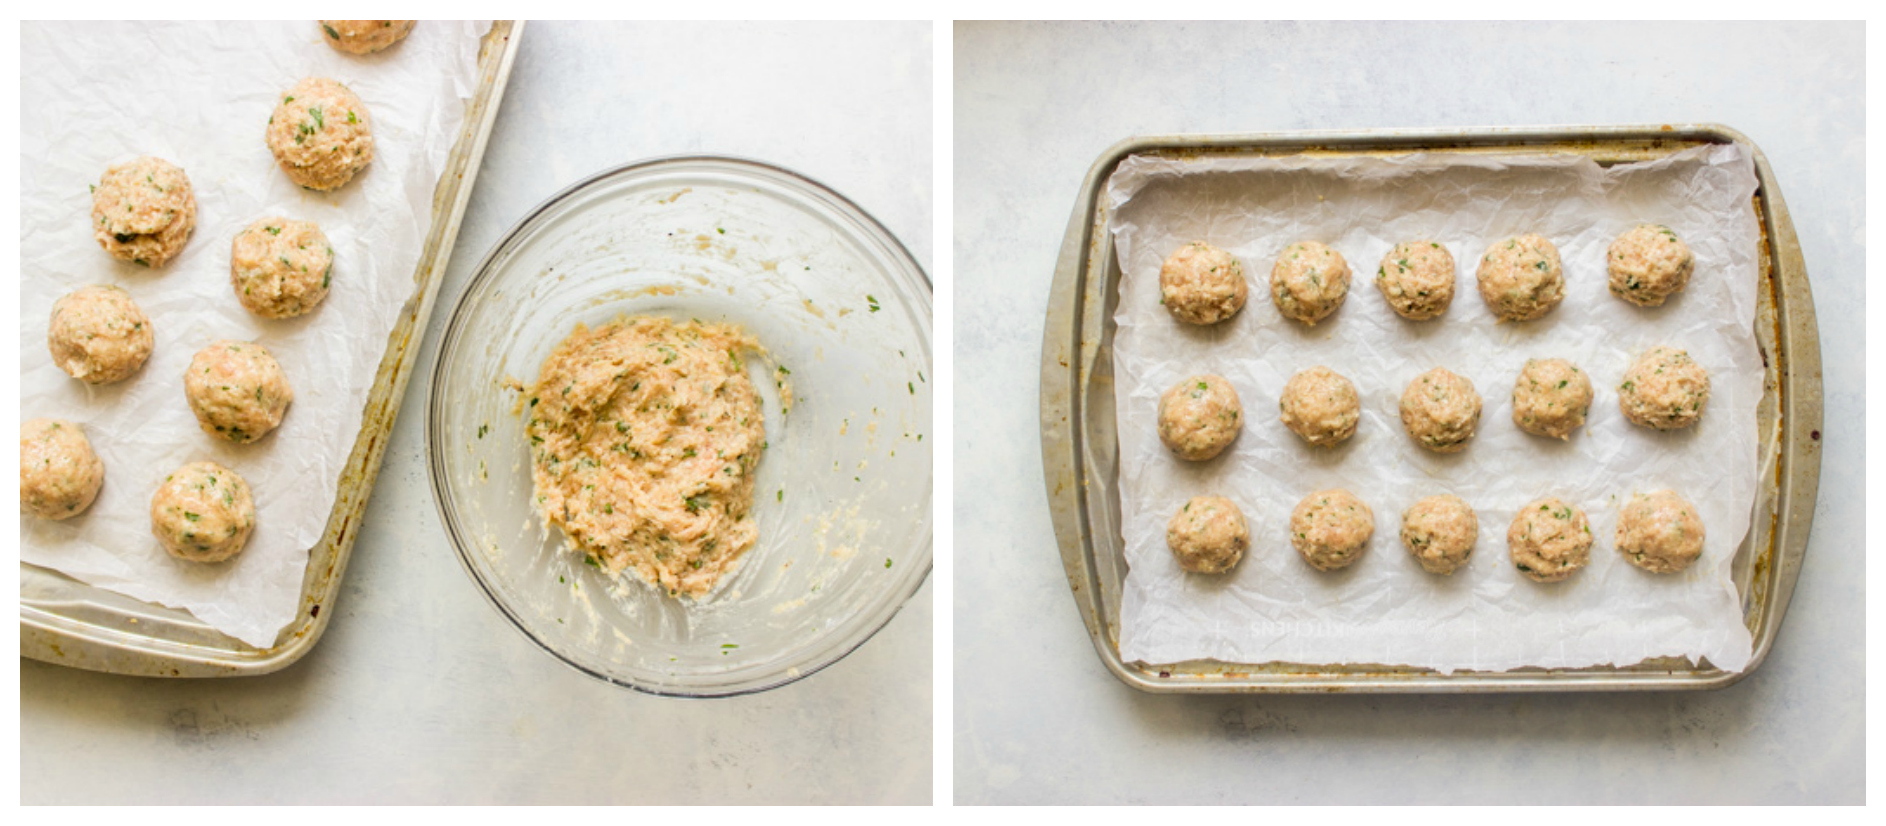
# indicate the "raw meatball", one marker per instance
pixel 1549 540
pixel 1202 284
pixel 1309 281
pixel 203 513
pixel 59 473
pixel 1660 532
pixel 1440 410
pixel 280 268
pixel 365 36
pixel 1649 264
pixel 98 335
pixel 320 134
pixel 1321 406
pixel 1551 398
pixel 1521 278
pixel 1664 389
pixel 1331 528
pixel 237 390
pixel 1200 417
pixel 1208 535
pixel 143 211
pixel 1417 279
pixel 1440 531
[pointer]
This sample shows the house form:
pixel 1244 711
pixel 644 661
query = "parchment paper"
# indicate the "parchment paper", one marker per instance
pixel 1384 608
pixel 200 95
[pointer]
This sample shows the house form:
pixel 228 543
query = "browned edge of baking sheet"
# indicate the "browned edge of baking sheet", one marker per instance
pixel 1080 450
pixel 68 622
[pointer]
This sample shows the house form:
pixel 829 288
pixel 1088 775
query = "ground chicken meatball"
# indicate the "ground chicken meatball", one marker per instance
pixel 1649 264
pixel 1202 284
pixel 98 335
pixel 1331 528
pixel 1200 417
pixel 1208 535
pixel 1440 410
pixel 365 36
pixel 1417 279
pixel 237 390
pixel 320 134
pixel 143 211
pixel 1659 532
pixel 1309 281
pixel 1521 278
pixel 1440 531
pixel 1664 389
pixel 280 268
pixel 1551 398
pixel 1549 540
pixel 1321 406
pixel 59 473
pixel 203 513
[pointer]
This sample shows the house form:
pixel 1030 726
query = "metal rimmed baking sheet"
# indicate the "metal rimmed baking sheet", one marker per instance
pixel 1080 447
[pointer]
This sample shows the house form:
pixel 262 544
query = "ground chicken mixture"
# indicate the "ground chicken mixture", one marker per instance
pixel 645 434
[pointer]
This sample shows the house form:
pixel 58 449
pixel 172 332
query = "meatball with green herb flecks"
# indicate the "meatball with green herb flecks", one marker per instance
pixel 1649 264
pixel 1440 532
pixel 364 36
pixel 1208 535
pixel 237 390
pixel 1549 540
pixel 1321 406
pixel 320 134
pixel 1202 284
pixel 1331 529
pixel 1199 417
pixel 98 335
pixel 1659 532
pixel 1309 281
pixel 59 473
pixel 1551 398
pixel 280 268
pixel 203 513
pixel 1440 410
pixel 1521 278
pixel 143 211
pixel 1417 279
pixel 1665 389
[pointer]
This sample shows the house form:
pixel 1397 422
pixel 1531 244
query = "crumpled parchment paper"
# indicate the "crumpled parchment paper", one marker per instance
pixel 200 95
pixel 1384 609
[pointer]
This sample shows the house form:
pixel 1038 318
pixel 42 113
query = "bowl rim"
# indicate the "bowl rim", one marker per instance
pixel 453 329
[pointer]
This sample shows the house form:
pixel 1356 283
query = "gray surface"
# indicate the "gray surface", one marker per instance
pixel 1038 719
pixel 420 691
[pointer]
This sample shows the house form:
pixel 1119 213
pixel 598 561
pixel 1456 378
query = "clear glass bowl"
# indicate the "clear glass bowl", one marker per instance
pixel 843 496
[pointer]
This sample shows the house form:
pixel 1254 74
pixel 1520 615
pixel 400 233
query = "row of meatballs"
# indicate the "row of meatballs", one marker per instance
pixel 144 212
pixel 1664 389
pixel 1548 540
pixel 1520 278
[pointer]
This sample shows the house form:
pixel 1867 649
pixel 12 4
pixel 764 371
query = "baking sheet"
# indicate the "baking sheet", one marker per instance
pixel 1384 609
pixel 200 95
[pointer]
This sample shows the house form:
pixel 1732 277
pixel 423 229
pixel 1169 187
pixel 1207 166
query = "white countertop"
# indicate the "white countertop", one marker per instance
pixel 1037 716
pixel 420 691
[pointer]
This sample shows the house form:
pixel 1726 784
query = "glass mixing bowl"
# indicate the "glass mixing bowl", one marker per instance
pixel 843 494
